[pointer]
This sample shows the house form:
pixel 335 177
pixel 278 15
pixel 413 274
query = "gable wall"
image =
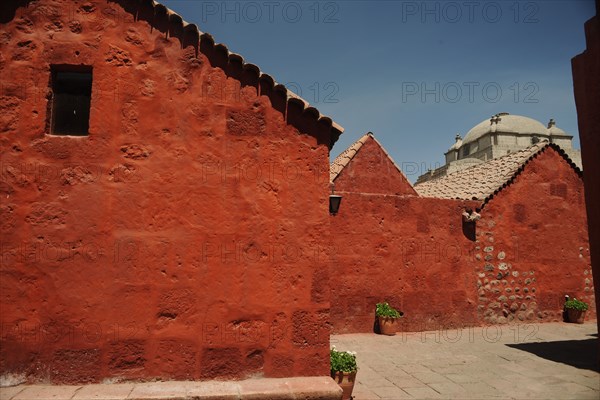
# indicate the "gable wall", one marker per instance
pixel 182 239
pixel 533 245
pixel 372 171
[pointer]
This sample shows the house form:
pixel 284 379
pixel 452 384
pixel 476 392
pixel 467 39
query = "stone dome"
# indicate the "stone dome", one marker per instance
pixel 506 123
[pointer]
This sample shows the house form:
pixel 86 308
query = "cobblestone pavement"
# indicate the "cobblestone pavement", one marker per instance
pixel 527 361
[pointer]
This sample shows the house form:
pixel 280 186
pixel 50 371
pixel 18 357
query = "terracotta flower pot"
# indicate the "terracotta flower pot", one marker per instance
pixel 388 326
pixel 575 316
pixel 345 380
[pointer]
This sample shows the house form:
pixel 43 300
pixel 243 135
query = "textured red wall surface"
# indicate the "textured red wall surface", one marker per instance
pixel 528 250
pixel 408 251
pixel 182 239
pixel 586 82
pixel 533 245
pixel 399 248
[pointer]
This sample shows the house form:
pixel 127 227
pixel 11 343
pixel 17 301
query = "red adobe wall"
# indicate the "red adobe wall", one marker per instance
pixel 183 238
pixel 586 84
pixel 533 245
pixel 399 248
pixel 408 251
pixel 417 254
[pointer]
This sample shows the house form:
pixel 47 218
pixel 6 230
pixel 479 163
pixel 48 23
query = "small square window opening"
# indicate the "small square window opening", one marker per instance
pixel 71 100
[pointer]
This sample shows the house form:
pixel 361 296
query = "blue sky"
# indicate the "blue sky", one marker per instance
pixel 415 73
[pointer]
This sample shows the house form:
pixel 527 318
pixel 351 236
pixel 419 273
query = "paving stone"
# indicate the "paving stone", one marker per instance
pixel 566 387
pixel 395 373
pixel 367 377
pixel 6 393
pixel 104 392
pixel 406 382
pixel 523 377
pixel 442 370
pixel 423 393
pixel 590 382
pixel 46 392
pixel 311 388
pixel 499 383
pixel 588 373
pixel 447 388
pixel 391 393
pixel 410 368
pixel 377 382
pixel 480 389
pixel 380 367
pixel 430 377
pixel 462 378
pixel 275 389
pixel 213 389
pixel 587 395
pixel 161 390
pixel 364 394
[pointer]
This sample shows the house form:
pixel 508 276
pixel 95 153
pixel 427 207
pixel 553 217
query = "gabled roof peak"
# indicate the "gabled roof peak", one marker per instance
pixel 341 161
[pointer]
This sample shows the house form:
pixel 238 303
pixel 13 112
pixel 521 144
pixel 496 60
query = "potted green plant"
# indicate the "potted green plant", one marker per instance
pixel 343 370
pixel 576 310
pixel 387 317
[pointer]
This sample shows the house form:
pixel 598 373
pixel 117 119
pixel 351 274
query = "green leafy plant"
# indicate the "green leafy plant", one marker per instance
pixel 576 304
pixel 342 361
pixel 385 310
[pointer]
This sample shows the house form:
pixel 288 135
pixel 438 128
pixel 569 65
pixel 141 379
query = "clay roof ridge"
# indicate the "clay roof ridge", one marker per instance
pixel 178 27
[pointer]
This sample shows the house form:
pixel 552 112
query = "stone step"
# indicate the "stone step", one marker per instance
pixel 265 388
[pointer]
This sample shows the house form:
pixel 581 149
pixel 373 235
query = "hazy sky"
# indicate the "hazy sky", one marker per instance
pixel 413 73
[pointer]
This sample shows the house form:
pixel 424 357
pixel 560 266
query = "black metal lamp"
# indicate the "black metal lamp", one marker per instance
pixel 334 202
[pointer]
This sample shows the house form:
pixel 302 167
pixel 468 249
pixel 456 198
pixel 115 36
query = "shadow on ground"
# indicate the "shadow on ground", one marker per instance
pixel 577 353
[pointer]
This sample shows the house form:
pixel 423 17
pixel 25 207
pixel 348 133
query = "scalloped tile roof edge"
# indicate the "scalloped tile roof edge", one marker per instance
pixel 290 97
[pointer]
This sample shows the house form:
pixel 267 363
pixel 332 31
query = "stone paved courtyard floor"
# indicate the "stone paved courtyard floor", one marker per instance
pixel 527 361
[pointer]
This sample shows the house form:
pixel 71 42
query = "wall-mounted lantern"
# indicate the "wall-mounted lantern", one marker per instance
pixel 334 201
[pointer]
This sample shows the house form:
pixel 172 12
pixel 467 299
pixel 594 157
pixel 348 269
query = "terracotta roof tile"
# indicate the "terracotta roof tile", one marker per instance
pixel 480 181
